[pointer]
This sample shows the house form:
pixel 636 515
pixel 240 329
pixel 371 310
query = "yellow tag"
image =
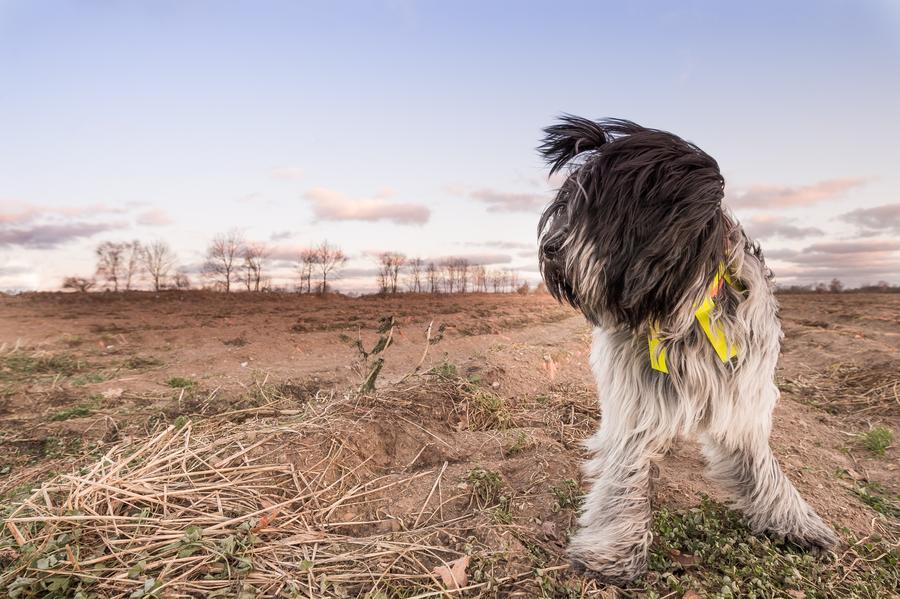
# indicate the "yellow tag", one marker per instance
pixel 657 354
pixel 715 332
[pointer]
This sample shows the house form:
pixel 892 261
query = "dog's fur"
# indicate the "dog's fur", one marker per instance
pixel 633 239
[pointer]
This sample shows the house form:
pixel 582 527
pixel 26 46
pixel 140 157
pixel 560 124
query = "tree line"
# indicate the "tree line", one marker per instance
pixel 837 286
pixel 233 262
pixel 397 273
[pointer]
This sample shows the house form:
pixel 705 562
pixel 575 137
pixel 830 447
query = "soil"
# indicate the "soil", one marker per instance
pixel 105 367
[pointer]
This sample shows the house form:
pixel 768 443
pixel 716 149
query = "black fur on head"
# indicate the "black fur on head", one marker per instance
pixel 637 228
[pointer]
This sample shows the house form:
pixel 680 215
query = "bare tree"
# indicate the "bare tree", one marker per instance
pixel 307 264
pixel 835 286
pixel 255 254
pixel 498 280
pixel 222 257
pixel 463 270
pixel 159 259
pixel 457 274
pixel 450 276
pixel 433 275
pixel 389 270
pixel 479 278
pixel 133 252
pixel 111 262
pixel 512 279
pixel 82 284
pixel 329 258
pixel 383 275
pixel 182 281
pixel 414 274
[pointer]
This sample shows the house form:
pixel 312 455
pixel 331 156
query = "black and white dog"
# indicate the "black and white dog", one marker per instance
pixel 686 333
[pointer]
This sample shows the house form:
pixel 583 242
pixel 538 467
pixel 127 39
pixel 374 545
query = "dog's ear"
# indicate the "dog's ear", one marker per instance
pixel 636 231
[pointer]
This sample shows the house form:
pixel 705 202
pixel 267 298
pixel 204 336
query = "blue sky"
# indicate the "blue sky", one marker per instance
pixel 411 126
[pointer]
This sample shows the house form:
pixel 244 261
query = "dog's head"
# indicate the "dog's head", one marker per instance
pixel 636 232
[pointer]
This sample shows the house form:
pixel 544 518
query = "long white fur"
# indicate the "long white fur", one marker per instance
pixel 727 406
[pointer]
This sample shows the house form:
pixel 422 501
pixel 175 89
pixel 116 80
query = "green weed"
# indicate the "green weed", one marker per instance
pixel 877 440
pixel 177 382
pixel 568 495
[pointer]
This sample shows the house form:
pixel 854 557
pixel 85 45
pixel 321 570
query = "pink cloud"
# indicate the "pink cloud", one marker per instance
pixel 482 259
pixel 855 246
pixel 878 219
pixel 333 205
pixel 764 226
pixel 852 260
pixel 498 200
pixel 43 227
pixel 47 236
pixel 287 253
pixel 154 218
pixel 19 213
pixel 782 196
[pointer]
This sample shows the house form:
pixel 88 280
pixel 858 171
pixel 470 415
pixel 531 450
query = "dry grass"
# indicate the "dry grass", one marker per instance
pixel 217 514
pixel 848 388
pixel 292 506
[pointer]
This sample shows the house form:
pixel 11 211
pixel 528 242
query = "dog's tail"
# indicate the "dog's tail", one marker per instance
pixel 575 135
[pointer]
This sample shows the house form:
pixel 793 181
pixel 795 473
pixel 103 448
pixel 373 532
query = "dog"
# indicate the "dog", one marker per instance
pixel 686 334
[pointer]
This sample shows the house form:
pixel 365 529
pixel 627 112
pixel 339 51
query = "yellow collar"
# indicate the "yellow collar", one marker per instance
pixel 715 332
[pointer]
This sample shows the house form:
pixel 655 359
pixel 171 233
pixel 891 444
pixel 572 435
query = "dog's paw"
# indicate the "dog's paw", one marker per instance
pixel 617 565
pixel 606 573
pixel 815 535
pixel 812 534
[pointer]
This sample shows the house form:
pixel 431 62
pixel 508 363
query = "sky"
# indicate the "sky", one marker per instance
pixel 412 126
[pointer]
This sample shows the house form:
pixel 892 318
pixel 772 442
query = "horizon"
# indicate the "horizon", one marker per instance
pixel 412 126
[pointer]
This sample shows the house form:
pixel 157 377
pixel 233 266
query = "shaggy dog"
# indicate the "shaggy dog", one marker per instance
pixel 686 333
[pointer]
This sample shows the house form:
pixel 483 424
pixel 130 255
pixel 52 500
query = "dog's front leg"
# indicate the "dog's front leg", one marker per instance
pixel 614 527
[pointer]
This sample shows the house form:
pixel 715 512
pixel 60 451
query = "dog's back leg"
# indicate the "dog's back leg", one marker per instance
pixel 745 466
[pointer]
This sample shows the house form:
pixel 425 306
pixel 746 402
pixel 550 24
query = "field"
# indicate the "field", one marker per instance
pixel 197 445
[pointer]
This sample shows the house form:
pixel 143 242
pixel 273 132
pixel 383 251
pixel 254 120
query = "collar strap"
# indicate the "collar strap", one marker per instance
pixel 714 330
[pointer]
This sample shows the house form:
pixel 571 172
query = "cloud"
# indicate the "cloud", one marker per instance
pixel 780 254
pixel 779 196
pixel 333 205
pixel 505 201
pixel 48 236
pixel 193 268
pixel 855 261
pixel 6 271
pixel 44 227
pixel 504 245
pixel 358 272
pixel 154 218
pixel 854 247
pixel 553 181
pixel 288 173
pixel 875 220
pixel 20 213
pixel 482 259
pixel 281 235
pixel 287 253
pixel 764 226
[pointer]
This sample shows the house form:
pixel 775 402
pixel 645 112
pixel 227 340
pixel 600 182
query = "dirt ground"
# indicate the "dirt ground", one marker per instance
pixel 506 391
